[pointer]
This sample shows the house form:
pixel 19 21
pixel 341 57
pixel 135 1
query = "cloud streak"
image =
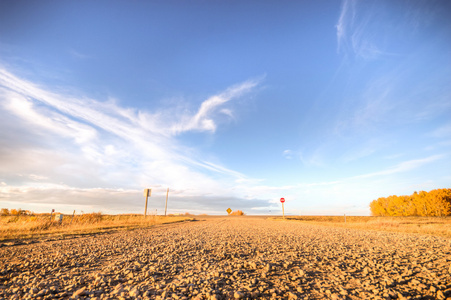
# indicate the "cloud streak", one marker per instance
pixel 403 167
pixel 100 146
pixel 359 32
pixel 203 120
pixel 346 19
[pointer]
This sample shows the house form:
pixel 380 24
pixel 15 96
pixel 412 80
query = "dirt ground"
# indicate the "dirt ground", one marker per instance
pixel 230 258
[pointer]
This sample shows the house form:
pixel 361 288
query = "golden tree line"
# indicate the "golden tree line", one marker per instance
pixel 436 203
pixel 14 212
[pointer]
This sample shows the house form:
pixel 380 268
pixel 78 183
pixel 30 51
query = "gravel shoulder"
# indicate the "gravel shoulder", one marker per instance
pixel 231 257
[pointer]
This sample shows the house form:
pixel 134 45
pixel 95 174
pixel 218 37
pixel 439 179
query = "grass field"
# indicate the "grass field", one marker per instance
pixel 438 226
pixel 37 226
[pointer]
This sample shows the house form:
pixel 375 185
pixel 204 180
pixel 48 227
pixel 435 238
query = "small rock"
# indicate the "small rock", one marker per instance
pixel 134 293
pixel 80 292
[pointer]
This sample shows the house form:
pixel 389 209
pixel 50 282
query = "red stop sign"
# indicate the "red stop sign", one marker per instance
pixel 282 200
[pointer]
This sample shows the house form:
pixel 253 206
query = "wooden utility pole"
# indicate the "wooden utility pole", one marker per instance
pixel 166 205
pixel 147 193
pixel 73 214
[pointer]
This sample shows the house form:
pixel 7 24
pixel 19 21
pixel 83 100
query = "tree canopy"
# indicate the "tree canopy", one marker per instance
pixel 436 203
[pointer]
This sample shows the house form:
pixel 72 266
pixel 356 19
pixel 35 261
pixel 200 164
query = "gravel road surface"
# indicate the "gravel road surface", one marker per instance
pixel 230 258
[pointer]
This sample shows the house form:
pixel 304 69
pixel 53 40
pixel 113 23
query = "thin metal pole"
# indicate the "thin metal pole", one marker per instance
pixel 166 205
pixel 283 211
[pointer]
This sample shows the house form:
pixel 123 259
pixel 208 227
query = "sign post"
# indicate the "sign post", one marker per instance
pixel 147 193
pixel 282 200
pixel 166 205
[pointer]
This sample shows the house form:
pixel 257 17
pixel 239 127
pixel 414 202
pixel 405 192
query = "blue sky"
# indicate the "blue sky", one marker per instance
pixel 228 103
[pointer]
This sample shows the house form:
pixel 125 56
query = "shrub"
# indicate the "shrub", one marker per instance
pixel 16 212
pixel 237 213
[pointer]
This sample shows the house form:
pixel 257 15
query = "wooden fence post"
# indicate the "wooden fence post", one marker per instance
pixel 166 205
pixel 73 214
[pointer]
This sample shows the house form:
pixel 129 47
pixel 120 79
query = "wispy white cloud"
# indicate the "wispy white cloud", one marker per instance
pixel 288 154
pixel 359 30
pixel 403 166
pixel 86 144
pixel 363 46
pixel 389 101
pixel 346 19
pixel 204 118
pixel 46 118
pixel 78 54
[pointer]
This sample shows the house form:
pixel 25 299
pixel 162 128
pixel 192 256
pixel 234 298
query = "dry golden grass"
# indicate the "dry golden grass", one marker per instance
pixel 36 226
pixel 438 226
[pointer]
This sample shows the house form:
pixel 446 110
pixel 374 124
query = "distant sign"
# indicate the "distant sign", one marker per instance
pixel 229 210
pixel 282 200
pixel 147 192
pixel 59 218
